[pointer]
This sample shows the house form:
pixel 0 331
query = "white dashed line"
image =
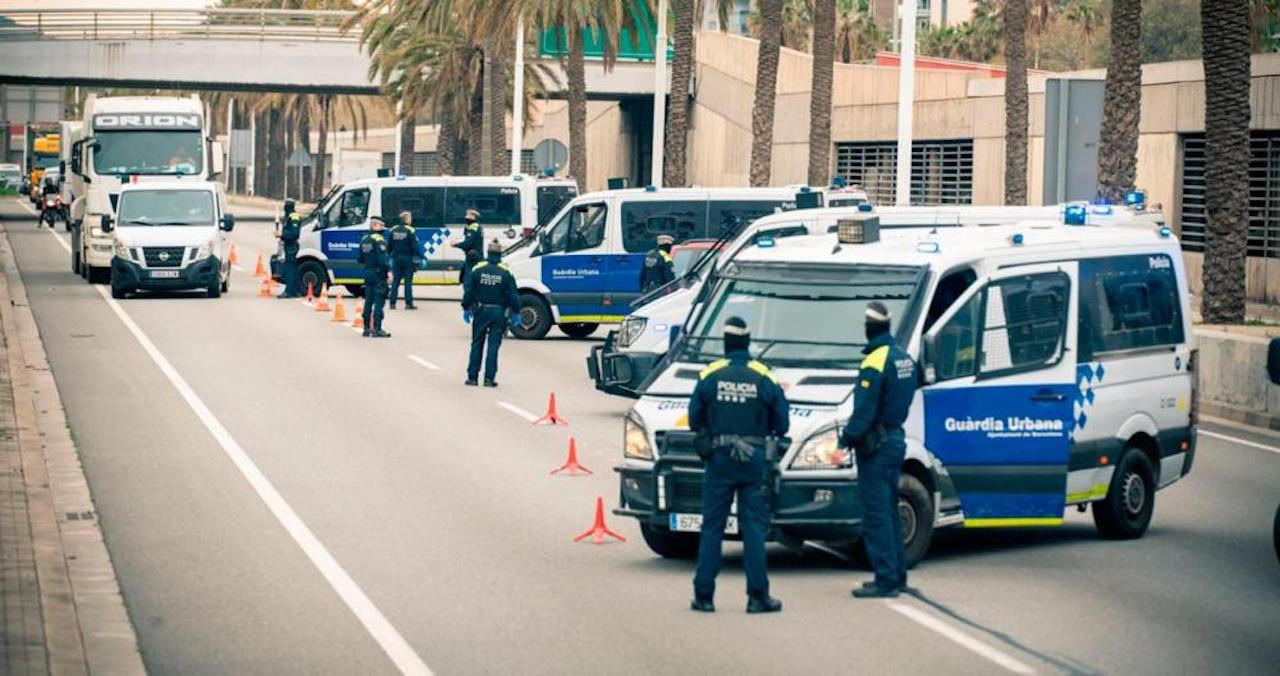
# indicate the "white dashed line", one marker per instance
pixel 28 207
pixel 939 627
pixel 423 363
pixel 236 267
pixel 518 411
pixel 1238 440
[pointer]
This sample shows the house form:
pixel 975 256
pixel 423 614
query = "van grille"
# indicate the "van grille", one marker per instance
pixel 163 256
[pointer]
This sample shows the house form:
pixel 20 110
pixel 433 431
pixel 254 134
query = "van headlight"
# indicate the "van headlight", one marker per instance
pixel 123 251
pixel 636 440
pixel 206 249
pixel 822 451
pixel 631 330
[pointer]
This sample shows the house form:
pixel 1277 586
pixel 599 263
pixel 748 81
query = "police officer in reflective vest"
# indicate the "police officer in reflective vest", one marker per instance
pixel 489 302
pixel 290 230
pixel 375 256
pixel 659 267
pixel 881 398
pixel 406 252
pixel 738 412
pixel 472 244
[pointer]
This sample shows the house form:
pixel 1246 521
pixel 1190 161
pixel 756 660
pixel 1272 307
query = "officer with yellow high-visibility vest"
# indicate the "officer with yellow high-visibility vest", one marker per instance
pixel 406 252
pixel 490 301
pixel 659 267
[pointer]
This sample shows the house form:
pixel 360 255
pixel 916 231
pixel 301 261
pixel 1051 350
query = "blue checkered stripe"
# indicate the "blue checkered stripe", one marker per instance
pixel 435 239
pixel 1087 376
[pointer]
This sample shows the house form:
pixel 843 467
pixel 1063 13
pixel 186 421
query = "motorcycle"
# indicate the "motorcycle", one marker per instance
pixel 52 208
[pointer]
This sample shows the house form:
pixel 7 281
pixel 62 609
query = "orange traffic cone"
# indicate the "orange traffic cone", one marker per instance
pixel 339 311
pixel 322 301
pixel 598 530
pixel 551 417
pixel 311 295
pixel 358 322
pixel 232 256
pixel 264 291
pixel 572 466
pixel 260 270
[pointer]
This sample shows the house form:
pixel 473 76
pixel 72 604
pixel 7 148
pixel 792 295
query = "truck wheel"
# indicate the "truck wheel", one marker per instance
pixel 226 285
pixel 1126 511
pixel 75 261
pixel 98 275
pixel 579 329
pixel 535 318
pixel 670 545
pixel 118 293
pixel 313 273
pixel 915 513
pixel 1275 533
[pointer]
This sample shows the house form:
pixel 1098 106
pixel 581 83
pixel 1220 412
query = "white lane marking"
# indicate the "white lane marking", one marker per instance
pixel 423 363
pixel 61 242
pixel 392 643
pixel 961 638
pixel 236 267
pixel 518 411
pixel 28 207
pixel 1238 440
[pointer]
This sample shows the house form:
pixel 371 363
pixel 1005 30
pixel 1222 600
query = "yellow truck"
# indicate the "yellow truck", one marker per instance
pixel 46 151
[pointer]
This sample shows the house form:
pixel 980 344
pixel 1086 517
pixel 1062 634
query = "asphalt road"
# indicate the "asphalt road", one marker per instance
pixel 282 496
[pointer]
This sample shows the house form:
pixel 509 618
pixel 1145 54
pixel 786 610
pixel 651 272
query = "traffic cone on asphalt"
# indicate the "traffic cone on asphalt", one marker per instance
pixel 551 417
pixel 260 270
pixel 572 466
pixel 322 301
pixel 339 311
pixel 232 256
pixel 598 530
pixel 358 322
pixel 311 293
pixel 264 291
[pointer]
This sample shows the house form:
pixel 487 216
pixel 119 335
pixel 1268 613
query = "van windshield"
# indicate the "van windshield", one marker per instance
pixel 166 207
pixel 801 317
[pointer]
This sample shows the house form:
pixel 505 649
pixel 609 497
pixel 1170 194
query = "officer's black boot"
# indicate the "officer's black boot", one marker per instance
pixel 875 591
pixel 763 604
pixel 702 605
pixel 472 382
pixel 489 382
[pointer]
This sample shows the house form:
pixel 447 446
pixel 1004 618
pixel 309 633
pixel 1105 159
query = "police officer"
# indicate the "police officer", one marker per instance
pixel 375 256
pixel 290 230
pixel 472 244
pixel 489 302
pixel 659 267
pixel 406 252
pixel 882 396
pixel 738 411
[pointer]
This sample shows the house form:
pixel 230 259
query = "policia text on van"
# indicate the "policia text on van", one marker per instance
pixel 1058 365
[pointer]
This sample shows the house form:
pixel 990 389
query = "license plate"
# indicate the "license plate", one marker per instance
pixel 164 274
pixel 692 523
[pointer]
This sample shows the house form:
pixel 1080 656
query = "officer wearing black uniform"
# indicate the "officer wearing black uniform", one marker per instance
pixel 290 231
pixel 472 244
pixel 489 302
pixel 738 412
pixel 881 399
pixel 376 258
pixel 406 252
pixel 659 267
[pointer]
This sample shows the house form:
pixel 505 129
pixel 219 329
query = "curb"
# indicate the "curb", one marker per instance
pixel 87 628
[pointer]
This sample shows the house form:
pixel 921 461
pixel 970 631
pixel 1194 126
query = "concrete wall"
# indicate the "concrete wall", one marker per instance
pixel 1232 369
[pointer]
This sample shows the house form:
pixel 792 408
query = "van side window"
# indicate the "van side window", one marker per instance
pixel 426 205
pixel 551 198
pixel 643 221
pixel 497 206
pixel 1128 303
pixel 731 217
pixel 1025 323
pixel 950 288
pixel 588 227
pixel 957 342
pixel 354 209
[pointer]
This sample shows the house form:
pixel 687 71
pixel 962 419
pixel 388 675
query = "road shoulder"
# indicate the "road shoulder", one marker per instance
pixel 86 628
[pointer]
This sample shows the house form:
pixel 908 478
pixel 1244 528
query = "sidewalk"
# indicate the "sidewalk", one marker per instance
pixel 61 611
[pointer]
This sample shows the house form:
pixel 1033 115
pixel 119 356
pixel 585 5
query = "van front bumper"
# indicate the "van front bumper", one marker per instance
pixel 617 372
pixel 130 276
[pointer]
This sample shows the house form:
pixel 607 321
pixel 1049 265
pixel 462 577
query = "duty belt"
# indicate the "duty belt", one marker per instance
pixel 741 448
pixel 491 305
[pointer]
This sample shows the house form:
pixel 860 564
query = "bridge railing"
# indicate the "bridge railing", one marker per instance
pixel 198 24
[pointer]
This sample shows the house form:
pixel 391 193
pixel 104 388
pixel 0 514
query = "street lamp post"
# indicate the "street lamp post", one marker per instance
pixel 659 95
pixel 517 104
pixel 906 100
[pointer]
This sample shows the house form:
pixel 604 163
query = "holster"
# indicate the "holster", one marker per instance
pixel 870 442
pixel 702 445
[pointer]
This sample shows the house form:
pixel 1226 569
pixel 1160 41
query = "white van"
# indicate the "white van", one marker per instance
pixel 510 207
pixel 628 355
pixel 170 235
pixel 1058 364
pixel 582 269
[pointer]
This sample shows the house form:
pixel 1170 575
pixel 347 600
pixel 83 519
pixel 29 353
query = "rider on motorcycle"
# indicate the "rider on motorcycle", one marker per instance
pixel 50 201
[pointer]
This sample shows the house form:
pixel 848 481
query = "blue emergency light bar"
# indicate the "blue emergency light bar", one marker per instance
pixel 928 247
pixel 839 182
pixel 1103 209
pixel 1017 239
pixel 1075 214
pixel 1135 197
pixel 764 241
pixel 865 206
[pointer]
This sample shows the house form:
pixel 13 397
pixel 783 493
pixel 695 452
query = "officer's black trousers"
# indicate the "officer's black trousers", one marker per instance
pixel 402 270
pixel 488 323
pixel 723 478
pixel 289 271
pixel 375 296
pixel 878 475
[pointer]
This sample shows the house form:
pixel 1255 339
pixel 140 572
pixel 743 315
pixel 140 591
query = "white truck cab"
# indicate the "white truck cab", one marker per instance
pixel 169 236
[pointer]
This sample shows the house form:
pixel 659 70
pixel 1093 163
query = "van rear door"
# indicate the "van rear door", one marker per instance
pixel 1001 407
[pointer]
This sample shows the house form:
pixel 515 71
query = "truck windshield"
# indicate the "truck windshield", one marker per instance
pixel 45 161
pixel 166 207
pixel 148 152
pixel 801 317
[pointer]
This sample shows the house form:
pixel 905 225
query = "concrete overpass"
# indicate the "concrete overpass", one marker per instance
pixel 218 49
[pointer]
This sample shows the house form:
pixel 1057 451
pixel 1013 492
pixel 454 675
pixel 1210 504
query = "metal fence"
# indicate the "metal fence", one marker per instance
pixel 941 171
pixel 1264 194
pixel 198 24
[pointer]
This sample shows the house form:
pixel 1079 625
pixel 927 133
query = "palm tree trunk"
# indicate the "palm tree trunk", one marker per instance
pixel 487 150
pixel 576 70
pixel 766 91
pixel 673 174
pixel 276 154
pixel 475 130
pixel 1015 102
pixel 408 130
pixel 1226 93
pixel 446 144
pixel 499 158
pixel 1118 146
pixel 304 140
pixel 824 56
pixel 322 148
pixel 261 130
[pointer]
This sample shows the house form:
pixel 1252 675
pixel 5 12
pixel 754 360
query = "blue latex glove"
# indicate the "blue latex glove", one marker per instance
pixel 466 316
pixel 514 321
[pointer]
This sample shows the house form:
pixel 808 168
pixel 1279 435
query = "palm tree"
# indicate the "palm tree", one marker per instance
pixel 1118 145
pixel 858 36
pixel 678 108
pixel 824 55
pixel 1015 102
pixel 770 28
pixel 1224 28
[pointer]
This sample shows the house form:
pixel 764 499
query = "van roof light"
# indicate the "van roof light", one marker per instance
pixel 1075 214
pixel 1017 239
pixel 517 177
pixel 651 188
pixel 765 241
pixel 860 229
pixel 1103 209
pixel 1165 231
pixel 865 207
pixel 838 182
pixel 928 247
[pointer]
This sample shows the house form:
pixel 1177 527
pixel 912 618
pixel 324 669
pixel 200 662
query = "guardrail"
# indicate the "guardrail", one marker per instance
pixel 197 24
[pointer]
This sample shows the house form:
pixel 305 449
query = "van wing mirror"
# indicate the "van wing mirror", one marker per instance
pixel 106 224
pixel 1273 361
pixel 228 222
pixel 928 348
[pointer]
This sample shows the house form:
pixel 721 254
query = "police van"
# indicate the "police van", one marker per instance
pixel 511 207
pixel 1058 369
pixel 582 268
pixel 625 360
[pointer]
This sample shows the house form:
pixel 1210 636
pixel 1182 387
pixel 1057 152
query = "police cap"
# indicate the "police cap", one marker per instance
pixel 666 239
pixel 495 246
pixel 877 312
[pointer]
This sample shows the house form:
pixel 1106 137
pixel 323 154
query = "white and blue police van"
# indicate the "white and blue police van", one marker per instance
pixel 582 268
pixel 1057 369
pixel 511 208
pixel 621 365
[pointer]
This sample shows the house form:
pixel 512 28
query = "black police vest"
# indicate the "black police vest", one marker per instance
pixel 489 279
pixel 403 241
pixel 737 402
